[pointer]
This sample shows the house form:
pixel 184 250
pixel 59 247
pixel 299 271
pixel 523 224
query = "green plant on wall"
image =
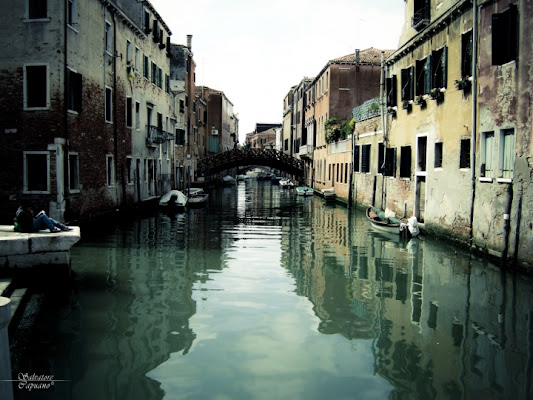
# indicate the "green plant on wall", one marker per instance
pixel 337 129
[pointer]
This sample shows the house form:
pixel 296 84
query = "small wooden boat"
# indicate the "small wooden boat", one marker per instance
pixel 304 191
pixel 174 200
pixel 197 197
pixel 397 226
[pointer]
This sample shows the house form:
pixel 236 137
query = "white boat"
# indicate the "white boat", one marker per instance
pixel 229 180
pixel 197 197
pixel 173 199
pixel 304 191
pixel 286 183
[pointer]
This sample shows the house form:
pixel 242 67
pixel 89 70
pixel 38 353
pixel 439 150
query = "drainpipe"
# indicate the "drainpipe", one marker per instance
pixel 384 127
pixel 66 175
pixel 474 115
pixel 507 222
pixel 115 124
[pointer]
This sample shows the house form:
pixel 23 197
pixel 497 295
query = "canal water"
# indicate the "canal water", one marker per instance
pixel 267 295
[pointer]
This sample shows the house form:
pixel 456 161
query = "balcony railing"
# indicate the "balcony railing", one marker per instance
pixel 306 151
pixel 420 18
pixel 157 136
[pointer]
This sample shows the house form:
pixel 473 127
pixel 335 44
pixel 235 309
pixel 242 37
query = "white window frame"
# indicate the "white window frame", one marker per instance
pixel 418 171
pixel 25 172
pixel 25 86
pixel 74 14
pixel 501 177
pixel 108 38
pixel 483 156
pixel 128 52
pixel 27 13
pixel 137 59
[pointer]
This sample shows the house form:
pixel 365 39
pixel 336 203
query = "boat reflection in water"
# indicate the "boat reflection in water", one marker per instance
pixel 263 296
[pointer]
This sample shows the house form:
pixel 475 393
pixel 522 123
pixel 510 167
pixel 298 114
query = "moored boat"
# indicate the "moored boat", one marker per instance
pixel 286 183
pixel 399 226
pixel 197 197
pixel 304 191
pixel 173 200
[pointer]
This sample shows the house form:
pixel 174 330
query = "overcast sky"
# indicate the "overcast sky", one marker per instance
pixel 254 51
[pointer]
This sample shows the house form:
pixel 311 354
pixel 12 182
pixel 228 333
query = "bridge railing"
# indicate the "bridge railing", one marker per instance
pixel 241 157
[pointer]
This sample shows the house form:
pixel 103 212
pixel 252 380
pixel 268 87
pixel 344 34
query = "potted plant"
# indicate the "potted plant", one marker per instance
pixel 406 104
pixel 464 83
pixel 436 94
pixel 420 100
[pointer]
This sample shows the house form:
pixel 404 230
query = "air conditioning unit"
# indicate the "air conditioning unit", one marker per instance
pixel 214 132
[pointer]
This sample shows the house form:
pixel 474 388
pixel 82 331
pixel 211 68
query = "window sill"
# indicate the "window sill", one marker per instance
pixel 47 19
pixel 73 112
pixel 489 180
pixel 71 27
pixel 74 191
pixel 504 180
pixel 36 192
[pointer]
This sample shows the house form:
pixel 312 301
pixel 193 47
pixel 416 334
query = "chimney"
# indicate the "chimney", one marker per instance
pixel 357 56
pixel 189 41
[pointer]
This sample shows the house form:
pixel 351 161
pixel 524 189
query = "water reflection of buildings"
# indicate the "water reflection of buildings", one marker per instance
pixel 149 271
pixel 443 325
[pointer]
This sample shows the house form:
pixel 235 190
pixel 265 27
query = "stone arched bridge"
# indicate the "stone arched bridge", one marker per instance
pixel 242 157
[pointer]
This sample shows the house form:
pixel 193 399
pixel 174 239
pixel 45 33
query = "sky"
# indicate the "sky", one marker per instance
pixel 255 51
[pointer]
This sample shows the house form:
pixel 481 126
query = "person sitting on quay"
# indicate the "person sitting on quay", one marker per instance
pixel 25 221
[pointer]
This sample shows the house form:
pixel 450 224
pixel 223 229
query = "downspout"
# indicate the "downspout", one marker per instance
pixel 115 124
pixel 384 126
pixel 66 174
pixel 474 116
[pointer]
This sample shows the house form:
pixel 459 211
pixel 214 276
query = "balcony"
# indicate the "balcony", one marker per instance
pixel 157 136
pixel 420 18
pixel 306 151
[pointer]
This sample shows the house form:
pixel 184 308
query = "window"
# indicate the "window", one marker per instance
pixel 73 172
pixel 128 52
pixel 146 22
pixel 438 155
pixel 36 92
pixel 405 162
pixel 421 14
pixel 72 12
pixel 137 115
pixel 390 162
pixel 507 153
pixel 129 112
pixel 422 153
pixel 110 169
pixel 505 36
pixel 365 158
pixel 146 68
pixel 423 76
pixel 391 91
pixel 464 160
pixel 408 84
pixel 356 158
pixel 182 106
pixel 108 38
pixel 154 73
pixel 487 155
pixel 36 172
pixel 466 54
pixel 381 157
pixel 439 65
pixel 37 9
pixel 129 170
pixel 108 104
pixel 74 91
pixel 137 59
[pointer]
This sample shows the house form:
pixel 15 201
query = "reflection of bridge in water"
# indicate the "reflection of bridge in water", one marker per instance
pixel 245 157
